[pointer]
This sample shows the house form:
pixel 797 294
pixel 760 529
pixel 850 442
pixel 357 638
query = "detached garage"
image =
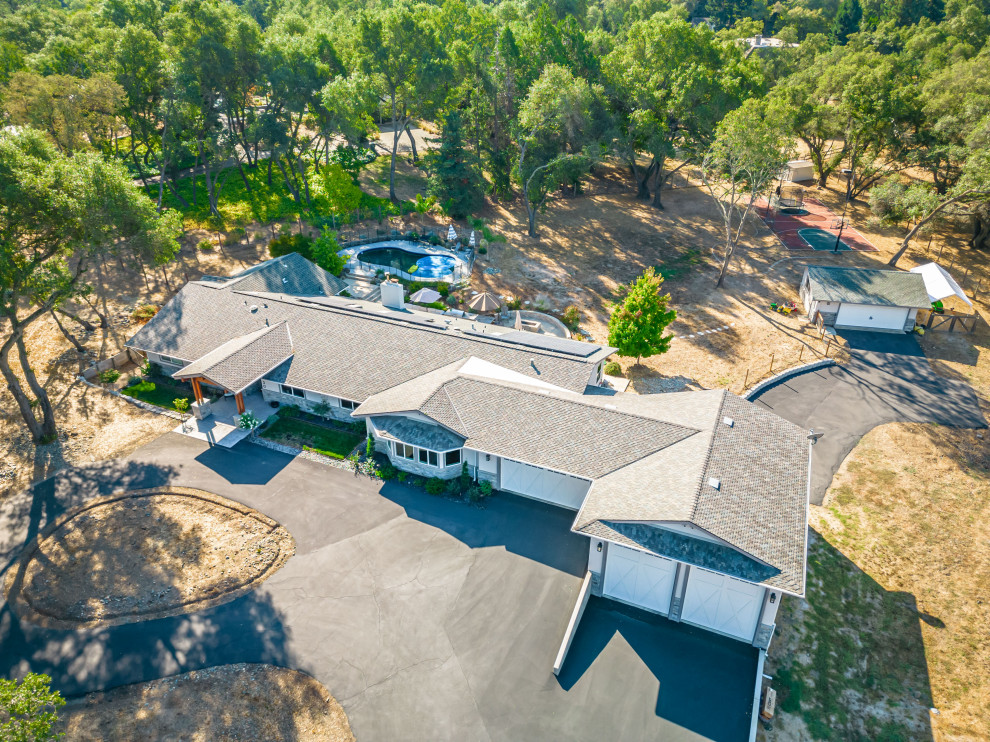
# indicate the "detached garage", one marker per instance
pixel 863 298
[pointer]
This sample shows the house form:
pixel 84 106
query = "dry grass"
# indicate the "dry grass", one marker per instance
pixel 899 582
pixel 143 555
pixel 219 704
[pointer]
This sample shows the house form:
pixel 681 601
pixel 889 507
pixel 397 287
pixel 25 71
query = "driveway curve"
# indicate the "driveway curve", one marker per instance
pixel 888 379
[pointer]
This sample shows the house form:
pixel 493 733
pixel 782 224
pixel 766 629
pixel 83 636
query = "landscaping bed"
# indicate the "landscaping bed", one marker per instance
pixel 143 555
pixel 219 704
pixel 896 619
pixel 158 392
pixel 291 429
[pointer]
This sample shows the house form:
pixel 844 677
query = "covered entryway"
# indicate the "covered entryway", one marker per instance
pixel 871 317
pixel 543 484
pixel 722 603
pixel 639 578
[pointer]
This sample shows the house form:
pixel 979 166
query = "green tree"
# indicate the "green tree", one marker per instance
pixel 59 216
pixel 847 20
pixel 454 178
pixel 636 327
pixel 325 255
pixel 29 709
pixel 343 195
pixel 556 136
pixel 749 150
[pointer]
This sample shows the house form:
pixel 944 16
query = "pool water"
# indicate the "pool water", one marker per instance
pixel 819 239
pixel 794 211
pixel 417 264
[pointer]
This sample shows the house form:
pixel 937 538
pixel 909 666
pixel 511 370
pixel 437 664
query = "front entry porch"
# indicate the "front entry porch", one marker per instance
pixel 220 428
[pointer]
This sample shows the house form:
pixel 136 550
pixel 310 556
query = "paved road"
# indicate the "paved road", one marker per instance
pixel 428 619
pixel 888 379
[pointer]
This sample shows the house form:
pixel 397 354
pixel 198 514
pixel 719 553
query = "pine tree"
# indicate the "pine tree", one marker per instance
pixel 847 20
pixel 454 179
pixel 636 327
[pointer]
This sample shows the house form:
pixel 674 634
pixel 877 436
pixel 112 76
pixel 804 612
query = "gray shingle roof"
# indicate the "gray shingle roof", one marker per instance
pixel 240 362
pixel 867 286
pixel 289 274
pixel 341 351
pixel 416 433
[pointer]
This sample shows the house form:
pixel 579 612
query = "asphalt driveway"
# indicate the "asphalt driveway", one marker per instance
pixel 888 379
pixel 428 619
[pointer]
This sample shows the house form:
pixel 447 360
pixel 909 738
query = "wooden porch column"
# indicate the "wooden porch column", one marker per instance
pixel 197 392
pixel 239 398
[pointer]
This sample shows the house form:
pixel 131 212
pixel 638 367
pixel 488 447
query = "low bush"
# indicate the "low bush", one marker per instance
pixel 452 487
pixel 132 380
pixel 612 368
pixel 514 304
pixel 434 486
pixel 486 488
pixel 289 243
pixel 472 493
pixel 443 288
pixel 571 317
pixel 109 376
pixel 402 477
pixel 387 471
pixel 205 246
pixel 144 313
pixel 482 250
pixel 465 476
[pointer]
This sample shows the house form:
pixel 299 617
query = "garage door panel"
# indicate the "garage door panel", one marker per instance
pixel 543 484
pixel 640 579
pixel 864 316
pixel 722 603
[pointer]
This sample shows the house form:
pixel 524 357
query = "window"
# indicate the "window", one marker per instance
pixel 171 361
pixel 428 457
pixel 452 457
pixel 348 404
pixel 291 390
pixel 403 450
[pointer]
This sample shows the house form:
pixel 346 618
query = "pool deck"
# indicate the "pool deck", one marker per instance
pixel 788 227
pixel 361 269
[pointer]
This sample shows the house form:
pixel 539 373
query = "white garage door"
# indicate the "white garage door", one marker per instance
pixel 863 316
pixel 543 484
pixel 639 578
pixel 723 603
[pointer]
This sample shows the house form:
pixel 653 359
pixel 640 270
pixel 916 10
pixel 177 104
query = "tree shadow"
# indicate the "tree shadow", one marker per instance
pixel 529 528
pixel 706 680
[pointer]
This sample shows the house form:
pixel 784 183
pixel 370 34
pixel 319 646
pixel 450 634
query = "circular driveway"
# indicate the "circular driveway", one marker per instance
pixel 888 379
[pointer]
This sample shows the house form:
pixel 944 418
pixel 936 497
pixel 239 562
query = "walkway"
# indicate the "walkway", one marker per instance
pixel 888 379
pixel 220 428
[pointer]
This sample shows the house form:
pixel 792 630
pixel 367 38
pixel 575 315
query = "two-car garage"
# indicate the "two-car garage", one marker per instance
pixel 711 600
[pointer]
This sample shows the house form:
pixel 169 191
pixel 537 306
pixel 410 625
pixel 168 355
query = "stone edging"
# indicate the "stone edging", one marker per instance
pixel 304 454
pixel 11 588
pixel 137 402
pixel 777 378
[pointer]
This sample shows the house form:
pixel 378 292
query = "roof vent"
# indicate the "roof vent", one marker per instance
pixel 284 279
pixel 253 308
pixel 610 407
pixel 728 421
pixel 714 483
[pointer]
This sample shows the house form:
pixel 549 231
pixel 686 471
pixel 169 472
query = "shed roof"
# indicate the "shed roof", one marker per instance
pixel 867 286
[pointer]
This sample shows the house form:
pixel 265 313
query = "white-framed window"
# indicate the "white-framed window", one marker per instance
pixel 292 391
pixel 452 457
pixel 428 457
pixel 171 361
pixel 348 404
pixel 404 450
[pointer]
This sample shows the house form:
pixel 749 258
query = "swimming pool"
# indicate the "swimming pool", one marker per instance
pixel 407 257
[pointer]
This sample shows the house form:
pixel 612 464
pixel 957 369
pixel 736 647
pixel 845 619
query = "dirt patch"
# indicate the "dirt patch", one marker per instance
pixel 145 554
pixel 896 620
pixel 219 704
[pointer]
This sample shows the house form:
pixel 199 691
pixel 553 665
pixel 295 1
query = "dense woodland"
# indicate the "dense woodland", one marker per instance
pixel 282 101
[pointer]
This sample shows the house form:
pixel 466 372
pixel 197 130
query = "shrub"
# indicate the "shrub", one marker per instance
pixel 133 380
pixel 234 236
pixel 289 243
pixel 181 404
pixel 369 447
pixel 144 313
pixel 324 252
pixel 434 486
pixel 402 476
pixel 452 487
pixel 247 421
pixel 322 409
pixel 386 471
pixel 571 317
pixel 205 245
pixel 29 708
pixel 452 300
pixel 109 376
pixel 434 239
pixel 514 304
pixel 612 368
pixel 473 493
pixel 465 476
pixel 443 288
pixel 482 250
pixel 486 488
pixel 258 236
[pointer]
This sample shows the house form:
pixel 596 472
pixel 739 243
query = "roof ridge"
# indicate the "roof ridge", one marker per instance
pixel 708 456
pixel 442 388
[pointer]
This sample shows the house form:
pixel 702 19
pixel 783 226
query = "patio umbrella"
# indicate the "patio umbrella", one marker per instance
pixel 484 302
pixel 451 234
pixel 518 323
pixel 425 296
pixel 471 241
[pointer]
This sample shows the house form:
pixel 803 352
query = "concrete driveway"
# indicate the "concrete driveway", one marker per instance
pixel 428 619
pixel 888 379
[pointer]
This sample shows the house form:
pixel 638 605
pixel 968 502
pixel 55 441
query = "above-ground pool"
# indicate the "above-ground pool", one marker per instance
pixel 407 257
pixel 820 239
pixel 794 211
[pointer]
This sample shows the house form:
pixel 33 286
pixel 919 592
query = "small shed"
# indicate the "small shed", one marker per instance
pixel 798 170
pixel 941 286
pixel 863 298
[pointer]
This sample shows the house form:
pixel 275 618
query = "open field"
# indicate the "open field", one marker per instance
pixel 896 620
pixel 220 704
